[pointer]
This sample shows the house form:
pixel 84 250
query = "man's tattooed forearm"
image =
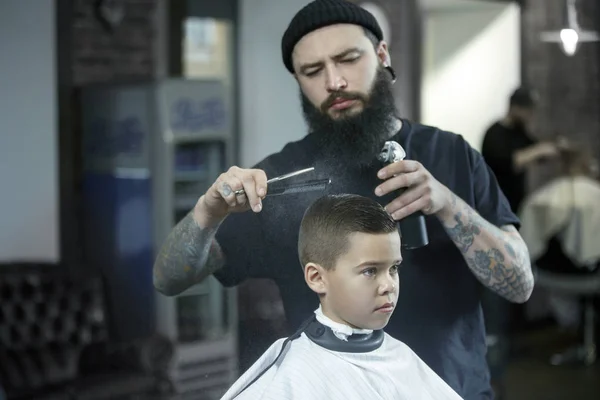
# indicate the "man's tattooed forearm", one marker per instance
pixel 463 235
pixel 497 257
pixel 501 274
pixel 188 256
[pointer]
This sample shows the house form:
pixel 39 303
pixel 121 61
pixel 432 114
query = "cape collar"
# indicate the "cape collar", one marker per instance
pixel 342 338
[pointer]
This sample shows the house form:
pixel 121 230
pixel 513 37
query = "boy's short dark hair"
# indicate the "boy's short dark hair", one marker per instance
pixel 329 221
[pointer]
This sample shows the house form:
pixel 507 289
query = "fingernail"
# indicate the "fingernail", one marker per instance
pixel 378 191
pixel 381 174
pixel 261 192
pixel 258 207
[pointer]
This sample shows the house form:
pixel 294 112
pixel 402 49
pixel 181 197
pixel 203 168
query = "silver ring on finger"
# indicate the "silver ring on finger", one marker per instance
pixel 241 197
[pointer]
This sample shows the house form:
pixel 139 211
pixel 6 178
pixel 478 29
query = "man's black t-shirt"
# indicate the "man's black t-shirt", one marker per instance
pixel 499 145
pixel 438 313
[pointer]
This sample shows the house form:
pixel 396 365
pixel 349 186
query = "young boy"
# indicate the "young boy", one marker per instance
pixel 349 248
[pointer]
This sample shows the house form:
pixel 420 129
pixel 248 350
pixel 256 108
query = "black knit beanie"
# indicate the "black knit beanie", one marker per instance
pixel 321 13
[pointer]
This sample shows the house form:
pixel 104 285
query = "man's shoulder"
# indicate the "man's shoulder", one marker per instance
pixel 433 135
pixel 432 143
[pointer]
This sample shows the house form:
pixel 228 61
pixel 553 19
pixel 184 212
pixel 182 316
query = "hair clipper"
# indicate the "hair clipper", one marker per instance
pixel 412 228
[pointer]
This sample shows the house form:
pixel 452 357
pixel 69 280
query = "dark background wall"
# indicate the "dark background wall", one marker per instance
pixel 405 47
pixel 108 55
pixel 569 87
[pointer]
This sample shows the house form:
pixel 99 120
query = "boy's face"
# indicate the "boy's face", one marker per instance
pixel 362 289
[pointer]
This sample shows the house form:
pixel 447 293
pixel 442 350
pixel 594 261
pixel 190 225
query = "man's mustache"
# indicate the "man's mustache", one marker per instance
pixel 336 96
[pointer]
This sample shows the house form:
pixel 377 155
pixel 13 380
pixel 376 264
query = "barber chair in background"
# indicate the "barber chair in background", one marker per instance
pixel 54 341
pixel 585 287
pixel 560 223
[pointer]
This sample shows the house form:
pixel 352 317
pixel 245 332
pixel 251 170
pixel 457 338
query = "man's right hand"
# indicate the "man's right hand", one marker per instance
pixel 220 199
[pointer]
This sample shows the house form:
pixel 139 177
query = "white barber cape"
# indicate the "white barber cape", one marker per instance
pixel 307 371
pixel 569 207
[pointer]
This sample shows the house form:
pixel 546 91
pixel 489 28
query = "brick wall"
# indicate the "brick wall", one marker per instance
pixel 405 20
pixel 124 54
pixel 88 53
pixel 569 89
pixel 569 86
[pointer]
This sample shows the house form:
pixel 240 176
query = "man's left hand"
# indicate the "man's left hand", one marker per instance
pixel 423 192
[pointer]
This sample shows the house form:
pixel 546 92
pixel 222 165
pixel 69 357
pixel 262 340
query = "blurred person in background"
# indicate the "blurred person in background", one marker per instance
pixel 509 147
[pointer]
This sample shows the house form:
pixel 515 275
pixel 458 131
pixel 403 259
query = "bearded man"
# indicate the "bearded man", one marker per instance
pixel 336 52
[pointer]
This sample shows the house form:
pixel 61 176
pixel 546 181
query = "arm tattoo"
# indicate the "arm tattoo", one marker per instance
pixel 189 255
pixel 463 235
pixel 498 257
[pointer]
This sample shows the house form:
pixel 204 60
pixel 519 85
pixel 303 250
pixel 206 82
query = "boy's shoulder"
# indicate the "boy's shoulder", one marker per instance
pixel 389 340
pixel 297 352
pixel 307 370
pixel 395 346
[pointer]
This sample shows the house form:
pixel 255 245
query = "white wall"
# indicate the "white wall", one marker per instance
pixel 28 132
pixel 271 113
pixel 471 65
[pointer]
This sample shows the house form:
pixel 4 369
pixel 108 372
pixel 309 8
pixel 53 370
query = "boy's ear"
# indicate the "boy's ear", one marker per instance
pixel 315 278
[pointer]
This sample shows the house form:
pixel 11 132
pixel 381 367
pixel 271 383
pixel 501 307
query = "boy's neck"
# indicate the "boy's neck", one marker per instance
pixel 341 329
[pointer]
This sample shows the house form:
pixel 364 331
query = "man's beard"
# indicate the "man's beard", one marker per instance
pixel 354 139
